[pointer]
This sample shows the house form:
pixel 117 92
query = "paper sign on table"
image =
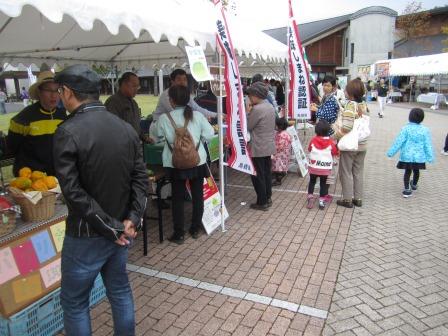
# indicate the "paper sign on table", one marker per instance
pixel 8 267
pixel 43 246
pixel 58 233
pixel 27 288
pixel 51 273
pixel 25 257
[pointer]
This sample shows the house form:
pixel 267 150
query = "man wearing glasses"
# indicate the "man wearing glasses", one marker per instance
pixel 30 135
pixel 99 165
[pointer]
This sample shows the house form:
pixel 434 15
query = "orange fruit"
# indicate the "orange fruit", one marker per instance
pixel 37 175
pixel 39 185
pixel 50 181
pixel 25 172
pixel 21 183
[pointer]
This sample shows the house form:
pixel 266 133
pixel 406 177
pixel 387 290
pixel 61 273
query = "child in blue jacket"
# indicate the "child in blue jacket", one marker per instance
pixel 414 144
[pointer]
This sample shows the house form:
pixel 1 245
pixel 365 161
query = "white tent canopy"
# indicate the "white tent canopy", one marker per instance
pixel 128 33
pixel 418 66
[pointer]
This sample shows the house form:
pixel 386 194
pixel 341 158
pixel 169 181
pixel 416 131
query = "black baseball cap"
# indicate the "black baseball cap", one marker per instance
pixel 79 78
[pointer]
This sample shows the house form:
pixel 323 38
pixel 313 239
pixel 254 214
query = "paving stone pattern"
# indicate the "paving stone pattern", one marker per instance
pixel 382 272
pixel 394 274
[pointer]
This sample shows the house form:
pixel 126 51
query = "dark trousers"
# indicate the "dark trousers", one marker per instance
pixel 323 184
pixel 407 177
pixel 178 197
pixel 445 148
pixel 263 181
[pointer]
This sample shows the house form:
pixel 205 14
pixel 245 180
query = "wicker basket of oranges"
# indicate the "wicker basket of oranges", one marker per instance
pixel 35 192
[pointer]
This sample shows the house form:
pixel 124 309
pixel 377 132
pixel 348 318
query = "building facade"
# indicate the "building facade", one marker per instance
pixel 344 44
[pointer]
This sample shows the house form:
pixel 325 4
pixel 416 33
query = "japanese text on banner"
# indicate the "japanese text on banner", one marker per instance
pixel 236 114
pixel 299 94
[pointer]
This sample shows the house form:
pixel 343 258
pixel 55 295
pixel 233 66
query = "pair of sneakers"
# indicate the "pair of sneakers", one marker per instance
pixel 408 192
pixel 323 201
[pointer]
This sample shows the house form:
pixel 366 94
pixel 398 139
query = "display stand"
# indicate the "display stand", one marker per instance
pixel 30 274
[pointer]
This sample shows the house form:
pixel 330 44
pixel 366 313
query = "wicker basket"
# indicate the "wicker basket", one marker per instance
pixel 42 210
pixel 7 222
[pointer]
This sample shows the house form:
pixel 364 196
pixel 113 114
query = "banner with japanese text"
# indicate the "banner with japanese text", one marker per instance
pixel 299 88
pixel 236 114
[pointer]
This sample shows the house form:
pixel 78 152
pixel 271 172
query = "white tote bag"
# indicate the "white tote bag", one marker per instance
pixel 363 127
pixel 349 142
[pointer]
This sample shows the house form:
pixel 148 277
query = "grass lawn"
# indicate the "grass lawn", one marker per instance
pixel 146 102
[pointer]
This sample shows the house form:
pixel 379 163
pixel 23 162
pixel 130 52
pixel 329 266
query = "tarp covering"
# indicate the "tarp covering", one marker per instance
pixel 131 32
pixel 436 64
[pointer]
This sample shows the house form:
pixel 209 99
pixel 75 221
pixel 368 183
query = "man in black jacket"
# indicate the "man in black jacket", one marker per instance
pixel 98 162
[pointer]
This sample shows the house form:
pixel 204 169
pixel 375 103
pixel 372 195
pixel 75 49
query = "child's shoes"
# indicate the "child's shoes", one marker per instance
pixel 322 202
pixel 407 193
pixel 310 202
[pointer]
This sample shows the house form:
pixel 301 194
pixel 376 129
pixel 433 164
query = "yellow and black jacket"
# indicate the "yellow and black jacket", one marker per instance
pixel 30 137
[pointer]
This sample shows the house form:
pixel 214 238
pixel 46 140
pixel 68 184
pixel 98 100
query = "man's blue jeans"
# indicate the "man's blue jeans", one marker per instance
pixel 82 260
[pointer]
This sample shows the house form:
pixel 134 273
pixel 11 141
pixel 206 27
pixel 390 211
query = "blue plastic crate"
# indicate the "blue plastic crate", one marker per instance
pixel 44 317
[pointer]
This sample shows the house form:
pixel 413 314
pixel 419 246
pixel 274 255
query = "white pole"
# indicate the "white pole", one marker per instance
pixel 160 81
pixel 221 144
pixel 287 91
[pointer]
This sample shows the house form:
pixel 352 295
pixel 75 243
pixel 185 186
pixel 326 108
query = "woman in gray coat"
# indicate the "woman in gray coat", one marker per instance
pixel 261 125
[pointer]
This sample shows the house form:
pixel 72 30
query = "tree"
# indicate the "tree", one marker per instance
pixel 413 23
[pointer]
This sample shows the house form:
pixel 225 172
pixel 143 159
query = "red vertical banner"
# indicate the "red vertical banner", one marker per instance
pixel 299 97
pixel 236 113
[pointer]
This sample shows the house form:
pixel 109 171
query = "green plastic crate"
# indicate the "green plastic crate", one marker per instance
pixel 153 154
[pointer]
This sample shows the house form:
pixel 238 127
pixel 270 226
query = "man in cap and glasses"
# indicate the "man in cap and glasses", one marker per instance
pixel 30 135
pixel 98 162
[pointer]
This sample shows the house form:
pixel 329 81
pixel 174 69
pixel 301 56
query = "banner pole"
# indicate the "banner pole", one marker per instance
pixel 287 92
pixel 221 142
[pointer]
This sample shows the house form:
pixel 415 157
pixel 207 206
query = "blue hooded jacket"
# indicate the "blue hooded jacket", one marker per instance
pixel 414 144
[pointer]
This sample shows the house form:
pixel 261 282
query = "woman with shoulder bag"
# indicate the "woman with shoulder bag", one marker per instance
pixel 183 117
pixel 351 162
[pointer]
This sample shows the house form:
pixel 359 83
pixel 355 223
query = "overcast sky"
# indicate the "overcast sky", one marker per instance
pixel 266 14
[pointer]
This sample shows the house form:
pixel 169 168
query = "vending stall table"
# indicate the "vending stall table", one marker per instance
pixel 30 275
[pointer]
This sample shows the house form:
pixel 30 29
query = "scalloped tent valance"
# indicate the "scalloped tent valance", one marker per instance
pixel 127 33
pixel 436 64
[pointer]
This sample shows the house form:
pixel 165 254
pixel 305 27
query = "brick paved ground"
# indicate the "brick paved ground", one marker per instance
pixel 391 278
pixel 394 275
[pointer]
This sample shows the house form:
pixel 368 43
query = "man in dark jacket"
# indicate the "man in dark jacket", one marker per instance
pixel 123 104
pixel 98 162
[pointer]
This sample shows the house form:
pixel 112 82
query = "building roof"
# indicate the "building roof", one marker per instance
pixel 311 30
pixel 426 45
pixel 374 10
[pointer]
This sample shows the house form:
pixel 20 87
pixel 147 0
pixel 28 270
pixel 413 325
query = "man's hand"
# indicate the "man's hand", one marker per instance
pixel 122 241
pixel 129 229
pixel 129 232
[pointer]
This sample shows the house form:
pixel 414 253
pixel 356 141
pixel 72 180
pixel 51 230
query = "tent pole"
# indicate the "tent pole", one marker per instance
pixel 160 81
pixel 221 144
pixel 286 91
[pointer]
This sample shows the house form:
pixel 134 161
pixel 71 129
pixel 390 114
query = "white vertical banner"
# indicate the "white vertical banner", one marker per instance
pixel 236 114
pixel 299 97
